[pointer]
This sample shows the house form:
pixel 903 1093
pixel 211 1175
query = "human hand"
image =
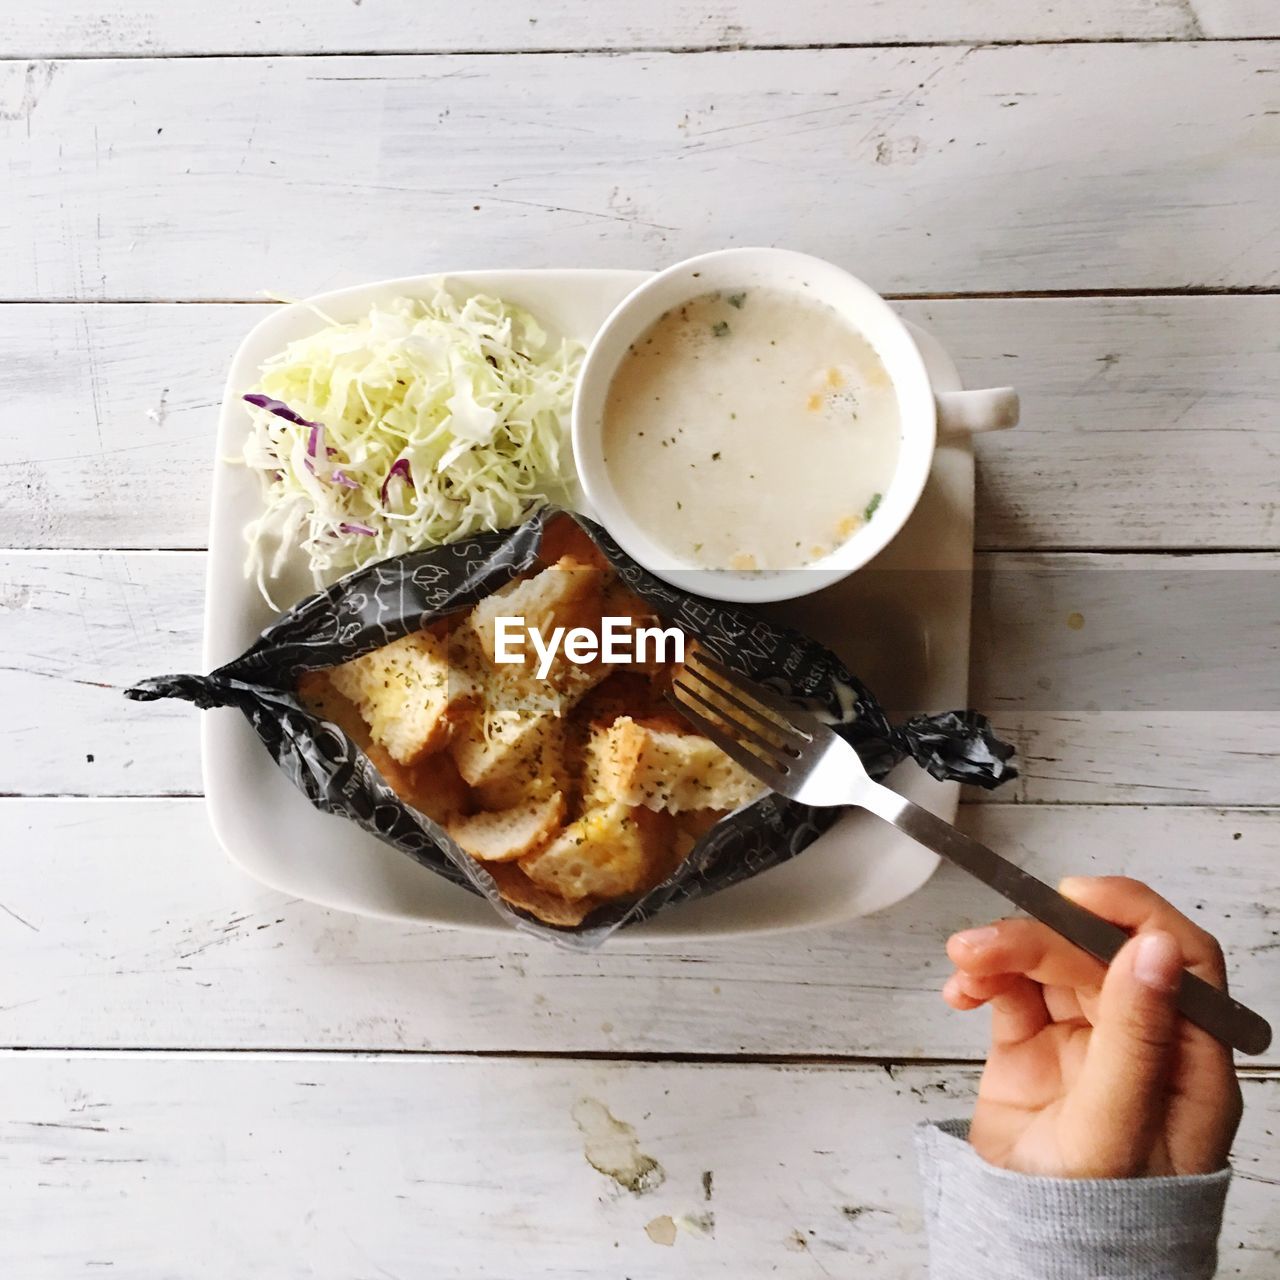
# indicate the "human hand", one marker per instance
pixel 1092 1071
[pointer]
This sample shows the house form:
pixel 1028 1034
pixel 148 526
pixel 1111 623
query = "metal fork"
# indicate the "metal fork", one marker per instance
pixel 797 755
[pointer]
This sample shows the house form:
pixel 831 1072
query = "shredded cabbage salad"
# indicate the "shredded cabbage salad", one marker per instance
pixel 422 423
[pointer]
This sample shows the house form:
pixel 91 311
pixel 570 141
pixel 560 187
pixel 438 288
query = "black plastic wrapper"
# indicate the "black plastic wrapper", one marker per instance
pixel 373 606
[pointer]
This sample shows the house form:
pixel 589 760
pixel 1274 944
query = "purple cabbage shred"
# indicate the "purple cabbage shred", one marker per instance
pixel 398 468
pixel 282 410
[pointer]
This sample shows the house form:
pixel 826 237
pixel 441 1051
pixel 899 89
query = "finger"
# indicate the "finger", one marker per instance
pixel 1063 1004
pixel 954 994
pixel 1017 1004
pixel 1136 906
pixel 1119 1098
pixel 964 992
pixel 1018 1012
pixel 1028 947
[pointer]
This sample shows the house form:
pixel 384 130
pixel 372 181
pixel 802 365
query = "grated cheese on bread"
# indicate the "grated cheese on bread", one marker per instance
pixel 610 852
pixel 403 692
pixel 508 755
pixel 655 764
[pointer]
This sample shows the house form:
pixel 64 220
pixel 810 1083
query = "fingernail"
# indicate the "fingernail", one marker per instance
pixel 1157 962
pixel 976 939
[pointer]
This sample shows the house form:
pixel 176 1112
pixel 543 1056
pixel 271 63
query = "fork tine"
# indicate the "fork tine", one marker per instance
pixel 730 695
pixel 792 717
pixel 773 778
pixel 729 724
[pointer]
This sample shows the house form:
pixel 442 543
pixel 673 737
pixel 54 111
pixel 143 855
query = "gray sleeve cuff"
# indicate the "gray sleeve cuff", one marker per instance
pixel 986 1223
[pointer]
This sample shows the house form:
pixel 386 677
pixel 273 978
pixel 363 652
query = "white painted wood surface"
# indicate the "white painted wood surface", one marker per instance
pixel 933 170
pixel 107 415
pixel 125 912
pixel 46 28
pixel 340 1168
pixel 80 627
pixel 1074 168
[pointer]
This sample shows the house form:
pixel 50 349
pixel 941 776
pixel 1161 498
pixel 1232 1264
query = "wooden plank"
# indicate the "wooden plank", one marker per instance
pixel 1080 649
pixel 48 28
pixel 1232 18
pixel 77 630
pixel 956 169
pixel 80 626
pixel 1198 757
pixel 203 1167
pixel 179 950
pixel 107 415
pixel 1168 397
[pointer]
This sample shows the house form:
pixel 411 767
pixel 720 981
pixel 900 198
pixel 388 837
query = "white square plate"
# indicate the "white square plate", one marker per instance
pixel 906 633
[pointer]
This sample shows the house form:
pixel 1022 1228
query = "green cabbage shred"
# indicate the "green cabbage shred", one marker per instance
pixel 472 395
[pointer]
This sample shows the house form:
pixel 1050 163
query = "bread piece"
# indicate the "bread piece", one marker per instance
pixel 318 696
pixel 510 744
pixel 537 778
pixel 610 852
pixel 403 692
pixel 569 594
pixel 653 763
pixel 508 834
pixel 550 908
pixel 432 785
pixel 564 595
pixel 508 757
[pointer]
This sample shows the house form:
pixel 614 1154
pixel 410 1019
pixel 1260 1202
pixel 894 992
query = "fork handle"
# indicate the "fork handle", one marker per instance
pixel 1210 1008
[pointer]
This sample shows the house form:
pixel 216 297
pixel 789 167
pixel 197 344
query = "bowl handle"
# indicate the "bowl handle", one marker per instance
pixel 967 412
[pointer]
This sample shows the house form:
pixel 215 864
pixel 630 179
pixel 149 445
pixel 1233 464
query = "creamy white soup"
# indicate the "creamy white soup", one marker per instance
pixel 751 430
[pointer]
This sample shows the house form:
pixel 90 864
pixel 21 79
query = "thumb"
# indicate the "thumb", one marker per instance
pixel 1118 1102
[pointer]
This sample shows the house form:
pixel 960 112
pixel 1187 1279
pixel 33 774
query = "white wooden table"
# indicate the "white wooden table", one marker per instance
pixel 202 1078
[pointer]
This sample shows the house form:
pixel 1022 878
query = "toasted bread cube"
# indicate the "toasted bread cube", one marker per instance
pixel 565 685
pixel 610 852
pixel 318 696
pixel 656 765
pixel 432 784
pixel 565 595
pixel 569 594
pixel 505 752
pixel 508 834
pixel 517 889
pixel 510 745
pixel 402 691
pixel 536 778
